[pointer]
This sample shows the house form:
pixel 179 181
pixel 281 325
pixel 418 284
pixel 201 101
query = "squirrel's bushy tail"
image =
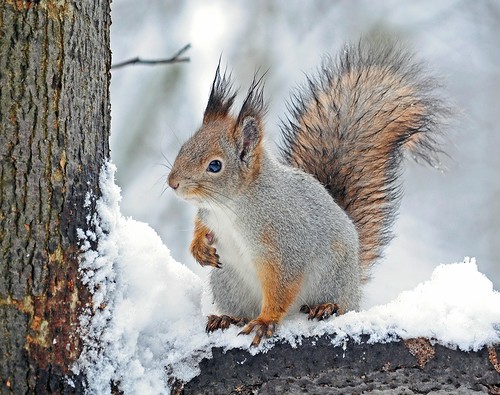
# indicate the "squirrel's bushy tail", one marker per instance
pixel 351 129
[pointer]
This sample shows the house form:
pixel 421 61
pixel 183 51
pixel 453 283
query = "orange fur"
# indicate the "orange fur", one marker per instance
pixel 201 247
pixel 278 293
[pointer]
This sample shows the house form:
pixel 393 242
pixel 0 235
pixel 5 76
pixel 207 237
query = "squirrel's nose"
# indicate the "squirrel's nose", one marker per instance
pixel 172 182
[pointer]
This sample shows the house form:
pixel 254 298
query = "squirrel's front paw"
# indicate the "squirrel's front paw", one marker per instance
pixel 206 255
pixel 261 328
pixel 209 257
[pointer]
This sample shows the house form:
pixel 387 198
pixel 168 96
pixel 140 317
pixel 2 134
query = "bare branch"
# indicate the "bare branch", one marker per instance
pixel 176 58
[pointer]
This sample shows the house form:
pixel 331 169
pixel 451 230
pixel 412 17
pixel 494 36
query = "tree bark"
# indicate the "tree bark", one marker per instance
pixel 54 129
pixel 317 367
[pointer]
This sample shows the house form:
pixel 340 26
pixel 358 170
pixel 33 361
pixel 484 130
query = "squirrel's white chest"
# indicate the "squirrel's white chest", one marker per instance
pixel 234 248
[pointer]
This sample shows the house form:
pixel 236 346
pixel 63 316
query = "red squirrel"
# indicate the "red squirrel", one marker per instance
pixel 300 231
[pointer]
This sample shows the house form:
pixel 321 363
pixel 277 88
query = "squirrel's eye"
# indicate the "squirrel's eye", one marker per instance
pixel 214 166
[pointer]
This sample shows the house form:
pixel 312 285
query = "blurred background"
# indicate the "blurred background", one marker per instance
pixel 445 215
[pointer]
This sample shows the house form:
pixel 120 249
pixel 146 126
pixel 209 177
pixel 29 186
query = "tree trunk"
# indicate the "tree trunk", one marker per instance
pixel 54 120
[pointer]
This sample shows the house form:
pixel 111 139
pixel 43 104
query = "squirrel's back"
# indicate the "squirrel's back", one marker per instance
pixel 351 127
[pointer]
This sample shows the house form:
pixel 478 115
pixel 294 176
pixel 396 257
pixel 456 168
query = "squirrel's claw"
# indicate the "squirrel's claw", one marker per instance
pixel 207 256
pixel 261 328
pixel 321 311
pixel 202 248
pixel 222 322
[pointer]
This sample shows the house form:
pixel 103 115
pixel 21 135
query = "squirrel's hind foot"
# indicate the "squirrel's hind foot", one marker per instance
pixel 321 311
pixel 222 322
pixel 261 327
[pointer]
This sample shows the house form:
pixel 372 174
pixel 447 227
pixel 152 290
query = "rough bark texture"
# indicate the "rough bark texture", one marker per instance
pixel 54 119
pixel 317 367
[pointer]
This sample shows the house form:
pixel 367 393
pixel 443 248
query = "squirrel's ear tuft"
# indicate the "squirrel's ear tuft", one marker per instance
pixel 221 96
pixel 254 105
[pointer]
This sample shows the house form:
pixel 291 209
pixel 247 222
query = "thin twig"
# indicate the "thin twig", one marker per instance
pixel 174 59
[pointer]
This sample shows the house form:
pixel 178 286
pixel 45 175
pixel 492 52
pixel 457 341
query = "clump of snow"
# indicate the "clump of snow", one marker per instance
pixel 146 325
pixel 457 307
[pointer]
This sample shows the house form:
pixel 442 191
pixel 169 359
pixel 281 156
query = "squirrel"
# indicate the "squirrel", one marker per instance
pixel 299 231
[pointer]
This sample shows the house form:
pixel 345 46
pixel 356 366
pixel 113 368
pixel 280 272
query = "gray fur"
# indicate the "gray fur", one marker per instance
pixel 309 223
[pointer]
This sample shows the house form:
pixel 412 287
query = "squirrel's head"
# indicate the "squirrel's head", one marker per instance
pixel 223 158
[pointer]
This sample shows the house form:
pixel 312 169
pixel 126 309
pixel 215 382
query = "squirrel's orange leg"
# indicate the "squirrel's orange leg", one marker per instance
pixel 321 311
pixel 215 322
pixel 277 297
pixel 201 246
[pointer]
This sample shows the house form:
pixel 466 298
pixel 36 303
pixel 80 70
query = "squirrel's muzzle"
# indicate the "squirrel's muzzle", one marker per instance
pixel 172 181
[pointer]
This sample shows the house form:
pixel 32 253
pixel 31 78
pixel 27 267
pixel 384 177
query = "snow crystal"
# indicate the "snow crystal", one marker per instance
pixel 146 325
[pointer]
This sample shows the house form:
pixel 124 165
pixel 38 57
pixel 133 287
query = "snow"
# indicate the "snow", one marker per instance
pixel 147 320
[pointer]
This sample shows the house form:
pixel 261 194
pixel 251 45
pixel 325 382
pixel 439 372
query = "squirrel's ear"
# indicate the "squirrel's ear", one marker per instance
pixel 249 121
pixel 250 137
